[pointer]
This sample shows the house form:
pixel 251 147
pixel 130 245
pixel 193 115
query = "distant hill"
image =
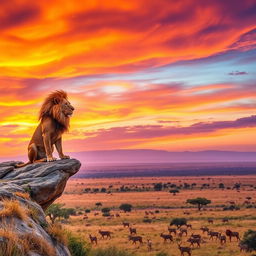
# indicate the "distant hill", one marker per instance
pixel 154 156
pixel 162 156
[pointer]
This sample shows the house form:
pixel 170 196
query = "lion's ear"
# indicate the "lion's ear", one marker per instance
pixel 56 101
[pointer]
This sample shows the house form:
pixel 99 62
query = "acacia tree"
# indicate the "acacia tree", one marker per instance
pixel 55 211
pixel 199 201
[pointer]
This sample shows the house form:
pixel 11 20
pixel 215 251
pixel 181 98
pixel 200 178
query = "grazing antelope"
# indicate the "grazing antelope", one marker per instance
pixel 193 241
pixel 213 234
pixel 204 229
pixel 223 239
pixel 184 249
pixel 149 244
pixel 105 234
pixel 117 215
pixel 195 236
pixel 135 239
pixel 231 234
pixel 126 224
pixel 189 226
pixel 93 239
pixel 184 231
pixel 133 231
pixel 96 213
pixel 210 221
pixel 225 220
pixel 172 230
pixel 166 237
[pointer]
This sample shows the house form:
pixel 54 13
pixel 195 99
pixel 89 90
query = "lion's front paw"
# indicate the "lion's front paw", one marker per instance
pixel 51 159
pixel 65 157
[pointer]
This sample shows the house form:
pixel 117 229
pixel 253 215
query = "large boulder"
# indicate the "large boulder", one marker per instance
pixel 24 195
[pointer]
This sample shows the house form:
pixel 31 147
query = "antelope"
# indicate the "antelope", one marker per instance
pixel 193 241
pixel 189 226
pixel 183 230
pixel 133 231
pixel 225 220
pixel 210 221
pixel 230 234
pixel 126 224
pixel 204 229
pixel 149 244
pixel 223 239
pixel 105 233
pixel 172 230
pixel 135 239
pixel 117 215
pixel 166 237
pixel 213 234
pixel 195 236
pixel 184 249
pixel 93 239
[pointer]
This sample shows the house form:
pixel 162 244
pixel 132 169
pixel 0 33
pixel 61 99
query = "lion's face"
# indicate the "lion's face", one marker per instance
pixel 66 108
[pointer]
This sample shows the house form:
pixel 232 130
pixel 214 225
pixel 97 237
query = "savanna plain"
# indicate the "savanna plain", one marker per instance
pixel 155 202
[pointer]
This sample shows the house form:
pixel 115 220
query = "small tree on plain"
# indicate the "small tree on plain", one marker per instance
pixel 174 191
pixel 125 207
pixel 55 211
pixel 178 222
pixel 199 201
pixel 249 240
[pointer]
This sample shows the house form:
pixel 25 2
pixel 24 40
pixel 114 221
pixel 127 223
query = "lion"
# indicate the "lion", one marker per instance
pixel 54 117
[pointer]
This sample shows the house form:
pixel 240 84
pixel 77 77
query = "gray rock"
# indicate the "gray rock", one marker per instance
pixel 44 182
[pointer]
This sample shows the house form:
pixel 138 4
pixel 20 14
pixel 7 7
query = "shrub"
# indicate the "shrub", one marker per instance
pixel 77 245
pixel 249 239
pixel 158 186
pixel 110 251
pixel 87 210
pixel 179 222
pixel 105 210
pixel 125 207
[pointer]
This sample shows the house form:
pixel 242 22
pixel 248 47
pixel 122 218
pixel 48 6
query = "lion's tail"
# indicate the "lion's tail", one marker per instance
pixel 22 165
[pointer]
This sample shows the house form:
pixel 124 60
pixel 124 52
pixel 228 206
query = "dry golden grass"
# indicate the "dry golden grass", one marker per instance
pixel 38 245
pixel 56 231
pixel 12 208
pixel 11 244
pixel 22 195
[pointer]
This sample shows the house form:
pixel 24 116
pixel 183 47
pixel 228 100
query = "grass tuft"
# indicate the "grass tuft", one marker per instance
pixel 12 208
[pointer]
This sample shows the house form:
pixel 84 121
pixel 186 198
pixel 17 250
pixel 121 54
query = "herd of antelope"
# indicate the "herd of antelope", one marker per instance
pixel 176 234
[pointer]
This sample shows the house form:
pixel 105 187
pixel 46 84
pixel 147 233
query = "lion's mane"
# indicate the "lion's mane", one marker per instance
pixel 51 108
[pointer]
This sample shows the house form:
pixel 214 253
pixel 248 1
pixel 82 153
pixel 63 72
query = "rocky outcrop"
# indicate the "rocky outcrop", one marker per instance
pixel 24 195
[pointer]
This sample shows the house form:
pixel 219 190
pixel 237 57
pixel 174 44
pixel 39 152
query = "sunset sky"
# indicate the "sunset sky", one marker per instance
pixel 141 74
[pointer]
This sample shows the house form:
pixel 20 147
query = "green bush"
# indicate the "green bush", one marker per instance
pixel 77 245
pixel 110 251
pixel 162 254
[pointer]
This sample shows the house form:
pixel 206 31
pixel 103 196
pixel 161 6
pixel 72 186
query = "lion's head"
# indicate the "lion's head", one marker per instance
pixel 57 106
